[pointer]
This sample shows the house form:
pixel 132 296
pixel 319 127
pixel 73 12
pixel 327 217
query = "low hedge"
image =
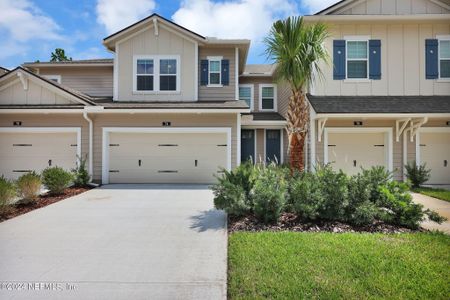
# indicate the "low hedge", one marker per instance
pixel 268 191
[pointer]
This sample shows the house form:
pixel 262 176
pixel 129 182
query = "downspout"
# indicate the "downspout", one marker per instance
pixel 91 130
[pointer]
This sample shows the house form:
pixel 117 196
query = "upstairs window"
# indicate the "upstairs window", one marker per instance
pixel 246 94
pixel 214 71
pixel 144 75
pixel 444 58
pixel 168 75
pixel 357 59
pixel 267 97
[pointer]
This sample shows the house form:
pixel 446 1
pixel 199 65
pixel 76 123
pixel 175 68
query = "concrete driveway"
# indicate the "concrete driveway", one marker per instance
pixel 440 206
pixel 118 242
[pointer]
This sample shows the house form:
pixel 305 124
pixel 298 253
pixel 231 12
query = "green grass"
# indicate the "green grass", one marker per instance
pixel 290 265
pixel 432 192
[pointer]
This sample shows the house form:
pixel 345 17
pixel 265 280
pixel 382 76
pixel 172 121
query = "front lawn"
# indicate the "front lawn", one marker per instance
pixel 436 193
pixel 288 265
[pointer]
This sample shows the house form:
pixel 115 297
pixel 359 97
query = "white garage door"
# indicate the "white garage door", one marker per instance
pixel 24 152
pixel 435 152
pixel 166 157
pixel 351 151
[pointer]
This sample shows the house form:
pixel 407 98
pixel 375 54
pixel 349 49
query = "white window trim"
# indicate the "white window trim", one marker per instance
pixel 252 94
pixel 215 58
pixel 156 59
pixel 441 38
pixel 356 38
pixel 389 140
pixel 275 100
pixel 53 77
pixel 107 130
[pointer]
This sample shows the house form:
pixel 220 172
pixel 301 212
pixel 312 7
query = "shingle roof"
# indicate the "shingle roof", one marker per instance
pixel 267 116
pixel 259 69
pixel 3 70
pixel 233 104
pixel 79 61
pixel 380 104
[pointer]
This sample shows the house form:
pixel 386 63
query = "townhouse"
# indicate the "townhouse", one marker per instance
pixel 173 106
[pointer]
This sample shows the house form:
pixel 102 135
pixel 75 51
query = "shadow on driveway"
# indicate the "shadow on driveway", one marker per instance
pixel 212 219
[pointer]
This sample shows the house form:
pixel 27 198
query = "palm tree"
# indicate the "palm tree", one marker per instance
pixel 297 49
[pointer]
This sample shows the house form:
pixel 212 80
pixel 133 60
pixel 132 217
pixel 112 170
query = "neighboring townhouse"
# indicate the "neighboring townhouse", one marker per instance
pixel 385 96
pixel 166 109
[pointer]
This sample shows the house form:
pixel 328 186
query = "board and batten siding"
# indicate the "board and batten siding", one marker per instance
pixel 399 7
pixel 402 60
pixel 147 43
pixel 36 94
pixel 226 92
pixel 155 120
pixel 94 81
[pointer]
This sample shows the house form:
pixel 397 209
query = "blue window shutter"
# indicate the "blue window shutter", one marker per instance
pixel 339 59
pixel 225 72
pixel 204 65
pixel 375 59
pixel 431 58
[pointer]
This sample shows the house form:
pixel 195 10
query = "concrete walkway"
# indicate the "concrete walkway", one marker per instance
pixel 441 207
pixel 118 242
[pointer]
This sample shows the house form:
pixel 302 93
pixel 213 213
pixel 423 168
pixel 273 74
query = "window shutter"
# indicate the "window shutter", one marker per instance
pixel 225 72
pixel 339 59
pixel 431 58
pixel 375 59
pixel 204 72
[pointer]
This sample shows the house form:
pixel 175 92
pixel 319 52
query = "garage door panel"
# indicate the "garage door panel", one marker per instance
pixel 352 151
pixel 32 151
pixel 166 157
pixel 435 152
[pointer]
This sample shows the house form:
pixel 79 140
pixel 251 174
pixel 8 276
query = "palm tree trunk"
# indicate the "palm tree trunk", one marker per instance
pixel 297 128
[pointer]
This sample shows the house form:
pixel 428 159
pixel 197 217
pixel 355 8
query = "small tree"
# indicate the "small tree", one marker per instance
pixel 81 175
pixel 418 175
pixel 59 55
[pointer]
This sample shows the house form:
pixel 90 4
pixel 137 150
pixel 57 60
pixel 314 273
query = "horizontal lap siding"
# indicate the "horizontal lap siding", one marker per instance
pixel 155 120
pixel 227 92
pixel 94 81
pixel 51 120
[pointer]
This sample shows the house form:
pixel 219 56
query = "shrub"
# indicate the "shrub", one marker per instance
pixel 335 193
pixel 360 210
pixel 231 193
pixel 56 179
pixel 7 194
pixel 434 216
pixel 374 178
pixel 418 175
pixel 269 193
pixel 29 186
pixel 80 173
pixel 306 196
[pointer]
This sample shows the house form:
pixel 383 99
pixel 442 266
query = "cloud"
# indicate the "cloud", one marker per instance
pixel 314 6
pixel 118 14
pixel 250 19
pixel 23 21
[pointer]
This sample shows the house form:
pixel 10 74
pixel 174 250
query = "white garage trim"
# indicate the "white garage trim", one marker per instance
pixel 427 129
pixel 107 130
pixel 77 130
pixel 389 139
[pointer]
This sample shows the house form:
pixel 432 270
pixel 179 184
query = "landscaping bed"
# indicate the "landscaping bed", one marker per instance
pixel 291 265
pixel 290 222
pixel 41 201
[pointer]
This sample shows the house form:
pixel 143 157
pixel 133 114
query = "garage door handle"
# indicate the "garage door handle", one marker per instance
pixel 354 163
pixel 196 162
pixel 49 162
pixel 139 162
pixel 445 163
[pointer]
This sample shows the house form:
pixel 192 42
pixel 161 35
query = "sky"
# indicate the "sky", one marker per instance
pixel 31 29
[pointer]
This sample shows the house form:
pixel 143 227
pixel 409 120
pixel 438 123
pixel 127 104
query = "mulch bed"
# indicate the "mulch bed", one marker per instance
pixel 290 222
pixel 43 200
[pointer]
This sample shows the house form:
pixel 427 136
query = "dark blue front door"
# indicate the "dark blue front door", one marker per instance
pixel 247 145
pixel 273 145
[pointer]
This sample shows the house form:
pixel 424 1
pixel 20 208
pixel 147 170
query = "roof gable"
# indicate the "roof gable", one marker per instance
pixel 22 87
pixel 150 22
pixel 387 7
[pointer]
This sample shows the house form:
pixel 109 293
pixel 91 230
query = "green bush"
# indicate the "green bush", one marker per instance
pixel 305 195
pixel 80 173
pixel 231 193
pixel 269 193
pixel 56 179
pixel 335 193
pixel 7 194
pixel 29 186
pixel 360 210
pixel 418 175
